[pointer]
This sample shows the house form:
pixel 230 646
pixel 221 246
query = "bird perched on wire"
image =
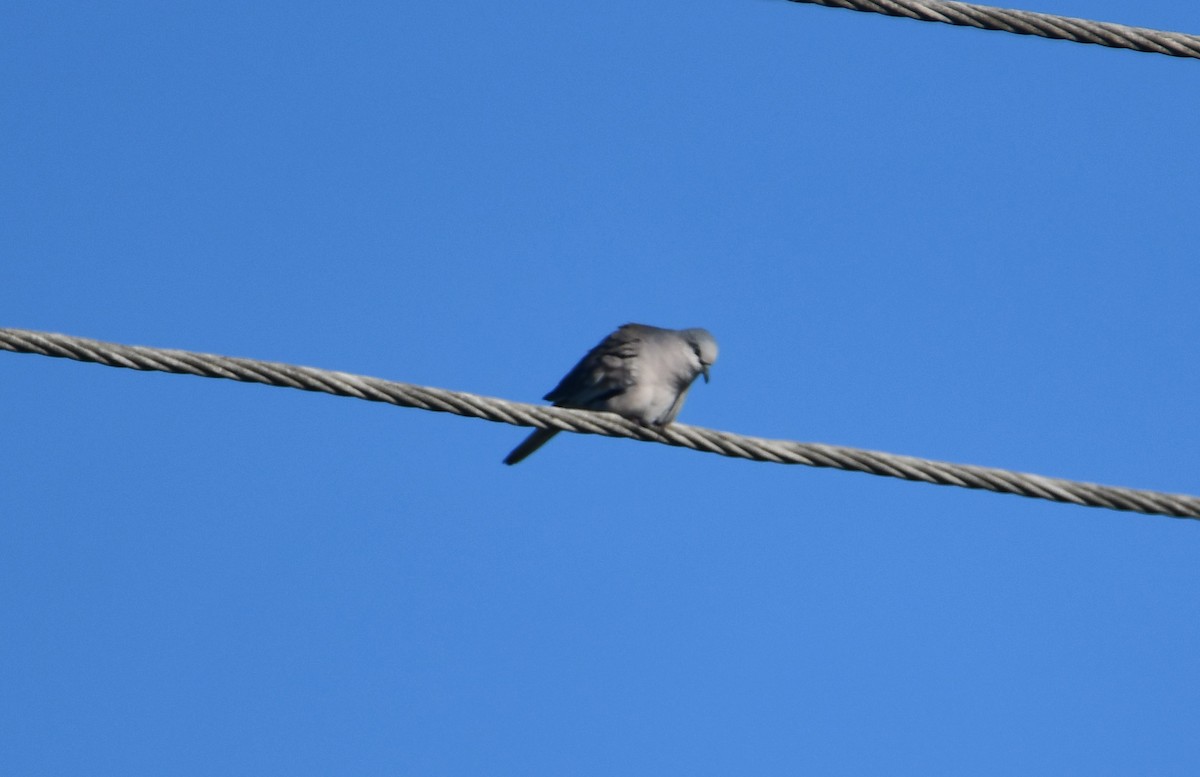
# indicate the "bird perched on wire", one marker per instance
pixel 640 372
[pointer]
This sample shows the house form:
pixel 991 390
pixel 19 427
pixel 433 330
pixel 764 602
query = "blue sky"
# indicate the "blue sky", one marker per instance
pixel 941 242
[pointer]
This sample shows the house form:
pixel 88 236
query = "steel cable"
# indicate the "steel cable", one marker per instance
pixel 608 424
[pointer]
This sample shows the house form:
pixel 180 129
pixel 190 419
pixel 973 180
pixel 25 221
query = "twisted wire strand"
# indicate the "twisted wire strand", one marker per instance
pixel 986 17
pixel 607 424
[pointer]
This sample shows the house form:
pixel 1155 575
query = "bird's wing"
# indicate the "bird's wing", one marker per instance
pixel 607 370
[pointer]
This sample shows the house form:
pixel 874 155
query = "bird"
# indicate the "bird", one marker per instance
pixel 640 372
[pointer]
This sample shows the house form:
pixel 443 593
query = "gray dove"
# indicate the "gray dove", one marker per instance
pixel 640 372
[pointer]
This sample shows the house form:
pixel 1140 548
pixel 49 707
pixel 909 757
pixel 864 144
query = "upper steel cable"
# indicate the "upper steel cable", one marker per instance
pixel 586 422
pixel 986 17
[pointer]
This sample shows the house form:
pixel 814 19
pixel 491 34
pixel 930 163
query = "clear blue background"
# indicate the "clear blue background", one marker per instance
pixel 928 240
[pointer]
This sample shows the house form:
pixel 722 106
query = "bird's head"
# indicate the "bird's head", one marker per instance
pixel 704 346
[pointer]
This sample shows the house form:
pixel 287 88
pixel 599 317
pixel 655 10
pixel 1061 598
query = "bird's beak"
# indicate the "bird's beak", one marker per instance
pixel 704 372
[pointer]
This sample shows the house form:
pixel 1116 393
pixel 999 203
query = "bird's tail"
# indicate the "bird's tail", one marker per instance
pixel 537 439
